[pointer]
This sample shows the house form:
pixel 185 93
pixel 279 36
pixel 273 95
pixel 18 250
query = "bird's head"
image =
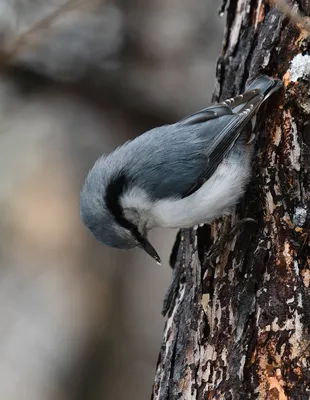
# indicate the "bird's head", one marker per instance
pixel 105 212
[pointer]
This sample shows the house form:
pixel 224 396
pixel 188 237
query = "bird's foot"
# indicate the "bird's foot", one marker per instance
pixel 227 233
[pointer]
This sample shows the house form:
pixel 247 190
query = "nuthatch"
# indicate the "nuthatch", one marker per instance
pixel 175 176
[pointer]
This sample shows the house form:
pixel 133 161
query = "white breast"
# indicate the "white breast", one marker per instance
pixel 214 198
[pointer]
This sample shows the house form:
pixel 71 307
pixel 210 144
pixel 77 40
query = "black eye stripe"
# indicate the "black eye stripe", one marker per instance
pixel 115 189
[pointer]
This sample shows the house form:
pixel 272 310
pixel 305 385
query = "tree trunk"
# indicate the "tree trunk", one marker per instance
pixel 238 315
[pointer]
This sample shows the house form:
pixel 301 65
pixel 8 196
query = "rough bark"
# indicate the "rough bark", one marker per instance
pixel 238 316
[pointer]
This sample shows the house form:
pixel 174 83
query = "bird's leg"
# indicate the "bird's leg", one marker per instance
pixel 239 224
pixel 219 244
pixel 226 235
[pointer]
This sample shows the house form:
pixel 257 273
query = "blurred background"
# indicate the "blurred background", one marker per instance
pixel 77 78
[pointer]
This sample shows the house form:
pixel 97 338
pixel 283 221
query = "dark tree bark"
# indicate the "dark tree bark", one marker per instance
pixel 238 315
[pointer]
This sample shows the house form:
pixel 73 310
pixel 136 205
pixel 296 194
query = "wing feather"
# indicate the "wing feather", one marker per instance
pixel 225 139
pixel 181 157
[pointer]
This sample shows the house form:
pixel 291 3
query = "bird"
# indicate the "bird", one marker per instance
pixel 175 176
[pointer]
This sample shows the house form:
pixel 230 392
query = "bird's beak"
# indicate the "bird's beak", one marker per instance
pixel 149 249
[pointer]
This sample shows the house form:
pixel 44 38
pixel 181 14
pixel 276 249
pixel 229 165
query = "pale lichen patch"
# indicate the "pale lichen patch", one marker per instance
pixel 259 13
pixel 231 315
pixel 286 253
pixel 300 216
pixel 295 152
pixel 300 67
pixel 236 27
pixel 277 136
pixel 291 300
pixel 266 60
pixel 296 267
pixel 242 364
pixel 270 203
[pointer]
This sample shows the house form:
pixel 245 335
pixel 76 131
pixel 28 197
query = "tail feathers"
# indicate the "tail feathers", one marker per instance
pixel 257 93
pixel 266 85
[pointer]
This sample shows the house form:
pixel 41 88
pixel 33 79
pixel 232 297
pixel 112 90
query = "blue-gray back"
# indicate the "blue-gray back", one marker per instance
pixel 175 160
pixel 168 160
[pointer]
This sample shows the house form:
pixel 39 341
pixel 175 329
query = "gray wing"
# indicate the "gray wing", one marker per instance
pixel 241 109
pixel 176 160
pixel 225 133
pixel 210 135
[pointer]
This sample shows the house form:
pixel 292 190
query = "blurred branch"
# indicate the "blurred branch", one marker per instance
pixel 31 37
